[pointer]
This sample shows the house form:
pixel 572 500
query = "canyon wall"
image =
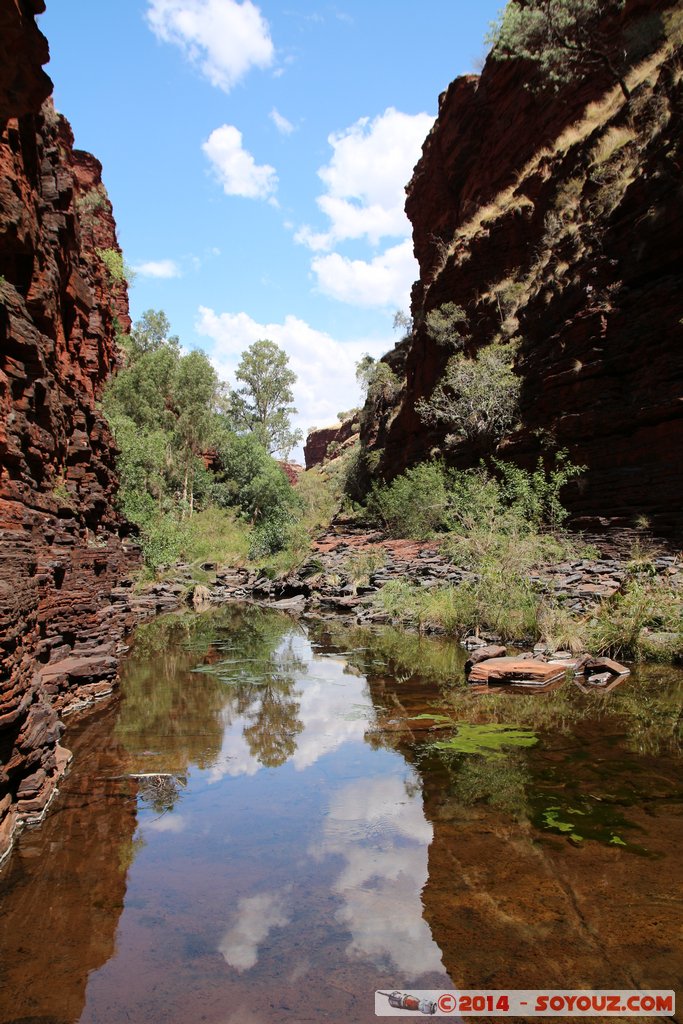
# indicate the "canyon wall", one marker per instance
pixel 554 220
pixel 62 556
pixel 325 443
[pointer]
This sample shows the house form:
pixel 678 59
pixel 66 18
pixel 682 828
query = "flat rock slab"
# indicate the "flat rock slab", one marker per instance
pixel 514 670
pixel 93 667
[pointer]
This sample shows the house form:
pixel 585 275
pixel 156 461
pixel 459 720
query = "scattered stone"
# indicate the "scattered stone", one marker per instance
pixel 200 597
pixel 486 653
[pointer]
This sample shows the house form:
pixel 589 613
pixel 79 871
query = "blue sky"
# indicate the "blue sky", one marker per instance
pixel 256 157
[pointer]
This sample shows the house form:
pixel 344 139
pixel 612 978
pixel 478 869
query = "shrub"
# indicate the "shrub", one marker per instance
pixel 624 624
pixel 415 504
pixel 564 37
pixel 477 397
pixel 377 379
pixel 445 325
pixel 536 496
pixel 117 270
pixel 484 515
pixel 506 605
pixel 90 201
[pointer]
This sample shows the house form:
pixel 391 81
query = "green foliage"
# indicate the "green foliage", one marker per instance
pixel 445 325
pixel 507 606
pixel 492 526
pixel 415 504
pixel 377 380
pixel 501 782
pixel 536 496
pixel 360 566
pixel 63 495
pixel 474 505
pixel 565 38
pixel 150 333
pixel 90 201
pixel 645 620
pixel 116 268
pixel 263 405
pixel 403 322
pixel 348 414
pixel 478 398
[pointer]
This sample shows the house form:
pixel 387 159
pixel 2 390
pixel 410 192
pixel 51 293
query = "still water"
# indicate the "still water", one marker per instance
pixel 271 821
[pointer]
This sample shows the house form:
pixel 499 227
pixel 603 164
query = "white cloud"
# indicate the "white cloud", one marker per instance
pixel 365 183
pixel 158 268
pixel 385 280
pixel 224 38
pixel 256 918
pixel 365 180
pixel 284 126
pixel 235 167
pixel 325 367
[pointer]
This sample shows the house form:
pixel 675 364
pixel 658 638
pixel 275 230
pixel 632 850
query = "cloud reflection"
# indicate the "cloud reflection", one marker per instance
pixel 380 831
pixel 256 918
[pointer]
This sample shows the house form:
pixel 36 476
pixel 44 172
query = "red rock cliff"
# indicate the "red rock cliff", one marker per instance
pixel 61 553
pixel 555 221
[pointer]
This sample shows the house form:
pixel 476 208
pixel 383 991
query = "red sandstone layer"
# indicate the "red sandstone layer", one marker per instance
pixel 61 553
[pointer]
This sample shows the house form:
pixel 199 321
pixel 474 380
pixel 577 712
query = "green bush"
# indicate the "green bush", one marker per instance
pixel 507 606
pixel 477 398
pixel 415 504
pixel 474 506
pixel 445 325
pixel 645 620
pixel 113 261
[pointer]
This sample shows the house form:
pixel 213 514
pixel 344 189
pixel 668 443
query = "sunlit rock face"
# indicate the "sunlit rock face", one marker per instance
pixel 60 549
pixel 554 221
pixel 326 443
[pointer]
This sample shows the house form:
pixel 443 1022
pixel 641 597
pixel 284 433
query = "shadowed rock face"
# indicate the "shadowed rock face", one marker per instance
pixel 555 221
pixel 23 48
pixel 60 549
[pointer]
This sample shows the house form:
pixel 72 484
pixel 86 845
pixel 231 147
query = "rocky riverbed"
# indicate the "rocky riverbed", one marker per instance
pixel 348 567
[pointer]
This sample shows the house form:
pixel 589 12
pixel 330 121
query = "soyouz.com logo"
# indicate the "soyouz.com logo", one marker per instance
pixel 522 1003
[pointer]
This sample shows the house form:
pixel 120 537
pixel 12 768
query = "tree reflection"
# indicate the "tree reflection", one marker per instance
pixel 269 702
pixel 191 676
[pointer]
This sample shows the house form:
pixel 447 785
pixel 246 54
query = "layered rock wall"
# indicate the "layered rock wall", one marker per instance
pixel 327 442
pixel 61 553
pixel 554 221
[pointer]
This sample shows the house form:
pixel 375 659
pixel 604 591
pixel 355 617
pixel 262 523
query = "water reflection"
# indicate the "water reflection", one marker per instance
pixel 300 841
pixel 63 889
pixel 256 917
pixel 378 829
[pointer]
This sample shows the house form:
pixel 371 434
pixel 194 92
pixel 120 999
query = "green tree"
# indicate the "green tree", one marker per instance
pixel 150 332
pixel 565 38
pixel 403 322
pixel 251 480
pixel 195 396
pixel 445 325
pixel 263 405
pixel 376 378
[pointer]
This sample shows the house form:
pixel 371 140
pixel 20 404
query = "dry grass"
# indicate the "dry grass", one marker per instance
pixel 595 115
pixel 614 139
